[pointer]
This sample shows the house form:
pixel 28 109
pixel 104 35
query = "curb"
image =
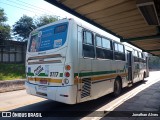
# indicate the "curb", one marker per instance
pixel 12 85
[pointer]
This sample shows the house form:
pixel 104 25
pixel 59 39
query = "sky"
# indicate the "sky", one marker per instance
pixel 15 9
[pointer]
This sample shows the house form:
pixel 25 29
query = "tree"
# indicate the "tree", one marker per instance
pixel 23 27
pixel 154 62
pixel 26 24
pixel 4 28
pixel 43 20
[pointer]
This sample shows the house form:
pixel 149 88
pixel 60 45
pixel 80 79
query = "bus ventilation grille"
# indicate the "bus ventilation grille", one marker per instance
pixel 86 88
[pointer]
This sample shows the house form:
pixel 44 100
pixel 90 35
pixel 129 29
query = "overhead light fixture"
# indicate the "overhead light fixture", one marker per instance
pixel 148 11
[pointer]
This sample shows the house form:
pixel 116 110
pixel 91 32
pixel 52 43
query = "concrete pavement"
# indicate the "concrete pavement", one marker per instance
pixel 144 105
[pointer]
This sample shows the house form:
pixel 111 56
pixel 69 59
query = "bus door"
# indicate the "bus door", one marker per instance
pixel 129 63
pixel 84 68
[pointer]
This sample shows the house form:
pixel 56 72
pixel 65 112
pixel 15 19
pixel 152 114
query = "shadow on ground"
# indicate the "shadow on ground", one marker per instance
pixel 145 103
pixel 58 110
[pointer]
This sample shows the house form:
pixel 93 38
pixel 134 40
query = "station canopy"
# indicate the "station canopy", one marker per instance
pixel 134 21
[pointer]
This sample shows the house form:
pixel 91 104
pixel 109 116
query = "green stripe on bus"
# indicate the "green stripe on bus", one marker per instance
pixel 61 75
pixel 30 74
pixel 43 74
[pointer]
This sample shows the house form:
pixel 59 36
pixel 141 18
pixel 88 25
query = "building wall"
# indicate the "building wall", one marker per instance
pixel 12 52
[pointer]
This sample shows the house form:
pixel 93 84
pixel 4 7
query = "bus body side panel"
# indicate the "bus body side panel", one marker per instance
pixel 102 84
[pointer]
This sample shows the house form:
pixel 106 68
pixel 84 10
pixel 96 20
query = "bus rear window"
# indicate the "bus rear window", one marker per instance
pixel 48 38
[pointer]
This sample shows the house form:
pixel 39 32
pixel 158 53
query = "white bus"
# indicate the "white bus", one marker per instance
pixel 70 63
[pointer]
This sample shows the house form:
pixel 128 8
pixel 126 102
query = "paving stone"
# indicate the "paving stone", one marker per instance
pixel 152 105
pixel 157 91
pixel 135 107
pixel 119 118
pixel 156 96
pixel 145 96
pixel 153 87
pixel 149 109
pixel 155 101
pixel 141 118
pixel 131 100
pixel 122 108
pixel 151 118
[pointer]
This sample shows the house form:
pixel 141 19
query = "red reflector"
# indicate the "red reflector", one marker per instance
pixel 67 74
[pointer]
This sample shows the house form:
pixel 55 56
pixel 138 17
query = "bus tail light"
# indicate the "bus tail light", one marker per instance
pixel 67 74
pixel 67 67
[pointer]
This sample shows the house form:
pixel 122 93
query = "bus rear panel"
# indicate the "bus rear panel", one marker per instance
pixel 49 72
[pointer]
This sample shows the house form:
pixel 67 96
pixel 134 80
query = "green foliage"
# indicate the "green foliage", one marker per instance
pixel 12 71
pixel 4 28
pixel 3 18
pixel 4 32
pixel 26 24
pixel 23 27
pixel 43 20
pixel 154 62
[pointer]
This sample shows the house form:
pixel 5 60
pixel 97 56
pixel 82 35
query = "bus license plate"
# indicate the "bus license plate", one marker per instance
pixel 43 81
pixel 42 88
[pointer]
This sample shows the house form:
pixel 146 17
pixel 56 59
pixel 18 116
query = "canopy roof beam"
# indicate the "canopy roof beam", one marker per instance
pixel 141 38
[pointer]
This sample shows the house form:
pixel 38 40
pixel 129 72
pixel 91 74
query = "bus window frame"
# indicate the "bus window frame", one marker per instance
pixel 119 52
pixel 91 45
pixel 103 48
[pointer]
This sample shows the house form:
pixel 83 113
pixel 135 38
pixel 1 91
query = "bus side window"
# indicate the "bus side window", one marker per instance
pixel 99 50
pixel 140 56
pixel 107 48
pixel 88 44
pixel 119 53
pixel 136 56
pixel 143 57
pixel 103 48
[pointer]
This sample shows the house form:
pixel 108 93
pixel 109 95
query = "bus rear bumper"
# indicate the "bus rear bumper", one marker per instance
pixel 64 94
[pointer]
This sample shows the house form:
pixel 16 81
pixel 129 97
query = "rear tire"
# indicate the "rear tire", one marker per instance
pixel 117 88
pixel 144 76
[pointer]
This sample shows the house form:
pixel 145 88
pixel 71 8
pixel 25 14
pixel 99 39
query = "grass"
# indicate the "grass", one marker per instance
pixel 12 71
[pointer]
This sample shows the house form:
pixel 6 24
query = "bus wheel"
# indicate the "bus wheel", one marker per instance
pixel 144 76
pixel 117 88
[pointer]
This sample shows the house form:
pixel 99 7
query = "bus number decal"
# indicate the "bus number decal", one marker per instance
pixel 53 74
